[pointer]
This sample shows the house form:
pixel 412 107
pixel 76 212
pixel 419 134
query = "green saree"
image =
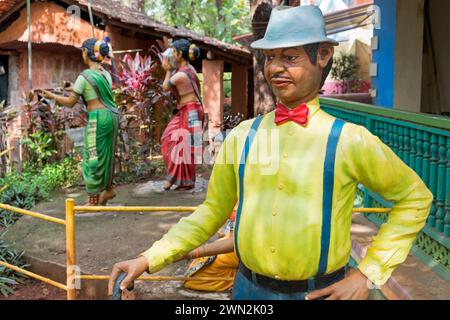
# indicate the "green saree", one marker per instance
pixel 100 136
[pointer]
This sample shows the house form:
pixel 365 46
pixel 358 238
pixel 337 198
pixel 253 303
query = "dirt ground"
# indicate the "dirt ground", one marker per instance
pixel 35 290
pixel 103 239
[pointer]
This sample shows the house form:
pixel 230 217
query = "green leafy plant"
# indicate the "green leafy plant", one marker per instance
pixel 345 69
pixel 40 147
pixel 227 89
pixel 8 277
pixel 22 192
pixel 5 117
pixel 27 189
pixel 62 174
pixel 43 118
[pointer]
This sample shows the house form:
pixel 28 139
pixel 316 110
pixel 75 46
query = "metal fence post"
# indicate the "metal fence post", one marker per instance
pixel 70 249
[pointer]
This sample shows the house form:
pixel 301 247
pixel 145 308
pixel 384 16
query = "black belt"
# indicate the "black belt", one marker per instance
pixel 287 286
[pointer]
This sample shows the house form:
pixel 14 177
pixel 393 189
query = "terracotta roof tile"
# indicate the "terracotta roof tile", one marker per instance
pixel 6 5
pixel 114 10
pixel 117 11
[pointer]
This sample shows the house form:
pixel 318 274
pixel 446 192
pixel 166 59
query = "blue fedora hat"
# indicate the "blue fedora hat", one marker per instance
pixel 294 27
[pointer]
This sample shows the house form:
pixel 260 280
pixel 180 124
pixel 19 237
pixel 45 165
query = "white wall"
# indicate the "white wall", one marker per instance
pixel 408 55
pixel 437 84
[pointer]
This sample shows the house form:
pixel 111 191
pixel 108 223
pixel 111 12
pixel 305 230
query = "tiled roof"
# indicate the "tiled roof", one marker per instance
pixel 7 5
pixel 115 11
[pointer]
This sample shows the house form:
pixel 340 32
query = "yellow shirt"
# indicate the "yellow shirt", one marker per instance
pixel 281 221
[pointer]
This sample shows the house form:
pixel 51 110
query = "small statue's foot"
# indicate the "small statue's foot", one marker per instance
pixel 184 188
pixel 93 201
pixel 167 185
pixel 106 195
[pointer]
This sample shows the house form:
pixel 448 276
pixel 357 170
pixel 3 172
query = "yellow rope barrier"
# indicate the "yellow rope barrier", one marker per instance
pixel 4 188
pixel 71 256
pixel 70 244
pixel 187 209
pixel 160 278
pixel 134 209
pixel 34 276
pixel 32 214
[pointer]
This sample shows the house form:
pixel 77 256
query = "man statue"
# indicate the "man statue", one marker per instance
pixel 294 173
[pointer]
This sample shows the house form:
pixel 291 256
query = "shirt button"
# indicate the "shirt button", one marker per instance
pixel 280 187
pixel 274 213
pixel 291 132
pixel 272 249
pixel 285 155
pixel 277 277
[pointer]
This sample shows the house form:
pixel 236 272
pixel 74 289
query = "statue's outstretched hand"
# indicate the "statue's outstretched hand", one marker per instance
pixel 164 44
pixel 133 268
pixel 46 94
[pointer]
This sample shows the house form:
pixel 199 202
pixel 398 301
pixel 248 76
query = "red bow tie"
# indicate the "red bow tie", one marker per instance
pixel 298 115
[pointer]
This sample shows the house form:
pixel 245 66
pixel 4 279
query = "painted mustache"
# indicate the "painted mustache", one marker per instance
pixel 278 77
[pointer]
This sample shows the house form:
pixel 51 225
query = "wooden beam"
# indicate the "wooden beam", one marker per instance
pixel 239 87
pixel 9 52
pixel 231 58
pixel 234 57
pixel 136 28
pixel 13 10
pixel 128 32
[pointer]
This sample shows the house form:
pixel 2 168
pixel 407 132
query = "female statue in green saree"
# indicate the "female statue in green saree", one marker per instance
pixel 95 85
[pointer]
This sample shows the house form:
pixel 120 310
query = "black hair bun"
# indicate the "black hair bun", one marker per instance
pixel 104 49
pixel 195 52
pixel 189 51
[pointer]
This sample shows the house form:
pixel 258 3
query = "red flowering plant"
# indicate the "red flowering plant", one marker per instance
pixel 143 104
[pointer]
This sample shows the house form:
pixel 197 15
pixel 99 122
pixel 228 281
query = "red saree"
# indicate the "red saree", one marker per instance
pixel 181 142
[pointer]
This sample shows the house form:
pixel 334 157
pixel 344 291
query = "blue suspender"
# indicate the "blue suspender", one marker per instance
pixel 328 186
pixel 248 143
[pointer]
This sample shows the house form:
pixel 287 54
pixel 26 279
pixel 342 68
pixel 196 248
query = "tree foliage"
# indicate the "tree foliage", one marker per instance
pixel 221 19
pixel 345 70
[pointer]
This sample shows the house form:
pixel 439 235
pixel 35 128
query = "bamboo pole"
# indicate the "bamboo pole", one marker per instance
pixel 187 209
pixel 160 278
pixel 134 209
pixel 6 151
pixel 91 18
pixel 33 275
pixel 30 69
pixel 70 249
pixel 32 214
pixel 127 51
